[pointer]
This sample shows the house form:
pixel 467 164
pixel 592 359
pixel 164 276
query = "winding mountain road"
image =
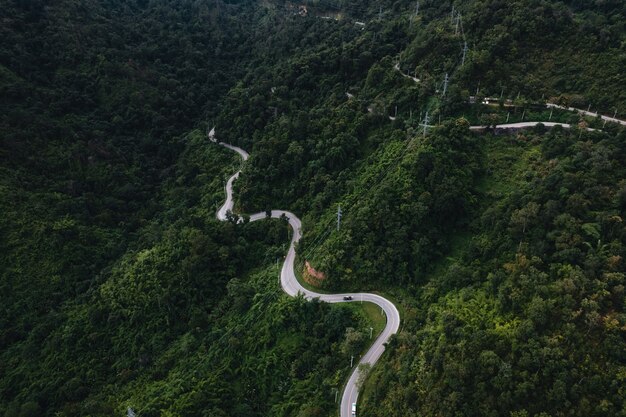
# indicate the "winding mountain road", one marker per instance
pixel 524 125
pixel 588 113
pixel 292 287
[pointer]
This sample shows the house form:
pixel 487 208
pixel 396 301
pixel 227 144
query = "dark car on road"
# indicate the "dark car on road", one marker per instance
pixel 347 297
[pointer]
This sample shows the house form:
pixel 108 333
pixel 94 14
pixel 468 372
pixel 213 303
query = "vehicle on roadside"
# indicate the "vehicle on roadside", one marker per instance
pixel 354 409
pixel 347 297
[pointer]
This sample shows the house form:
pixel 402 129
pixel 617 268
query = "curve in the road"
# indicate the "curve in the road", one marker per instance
pixel 292 287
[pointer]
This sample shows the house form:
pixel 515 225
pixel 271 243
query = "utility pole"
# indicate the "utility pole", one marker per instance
pixel 507 117
pixel 523 114
pixel 338 217
pixel 417 9
pixel 396 113
pixel 452 15
pixel 426 121
pixel 371 330
pixel 465 49
pixel 445 85
pixel 502 92
pixel 351 360
pixel 458 21
pixel 478 88
pixel 551 111
pixel 615 114
pixel 588 108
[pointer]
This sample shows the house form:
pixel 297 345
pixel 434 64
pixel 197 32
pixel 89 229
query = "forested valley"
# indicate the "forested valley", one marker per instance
pixel 504 252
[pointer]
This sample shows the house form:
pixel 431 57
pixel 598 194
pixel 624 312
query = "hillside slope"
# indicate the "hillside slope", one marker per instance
pixel 505 253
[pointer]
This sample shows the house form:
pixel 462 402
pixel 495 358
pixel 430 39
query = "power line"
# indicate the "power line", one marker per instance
pixel 366 188
pixel 315 246
pixel 426 121
pixel 338 216
pixel 312 247
pixel 312 250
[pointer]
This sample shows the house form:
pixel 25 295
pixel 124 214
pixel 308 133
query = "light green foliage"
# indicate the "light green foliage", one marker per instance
pixel 507 253
pixel 528 311
pixel 364 370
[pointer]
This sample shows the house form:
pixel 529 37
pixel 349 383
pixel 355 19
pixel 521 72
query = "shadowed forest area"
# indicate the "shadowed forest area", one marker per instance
pixel 505 253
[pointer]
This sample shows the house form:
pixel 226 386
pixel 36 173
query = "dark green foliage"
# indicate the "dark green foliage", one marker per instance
pixel 411 196
pixel 169 325
pixel 90 115
pixel 118 288
pixel 539 49
pixel 116 280
pixel 529 314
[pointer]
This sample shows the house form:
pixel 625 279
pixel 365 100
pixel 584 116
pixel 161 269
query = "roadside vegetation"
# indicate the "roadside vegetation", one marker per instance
pixel 119 288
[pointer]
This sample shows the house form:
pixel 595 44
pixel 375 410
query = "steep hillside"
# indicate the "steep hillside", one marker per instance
pixel 117 282
pixel 505 253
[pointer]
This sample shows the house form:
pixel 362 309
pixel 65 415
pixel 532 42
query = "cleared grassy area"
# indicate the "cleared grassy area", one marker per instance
pixel 372 314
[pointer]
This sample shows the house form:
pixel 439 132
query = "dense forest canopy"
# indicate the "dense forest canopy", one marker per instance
pixel 505 253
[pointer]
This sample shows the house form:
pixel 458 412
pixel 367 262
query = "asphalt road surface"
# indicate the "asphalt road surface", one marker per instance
pixel 588 113
pixel 292 287
pixel 523 125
